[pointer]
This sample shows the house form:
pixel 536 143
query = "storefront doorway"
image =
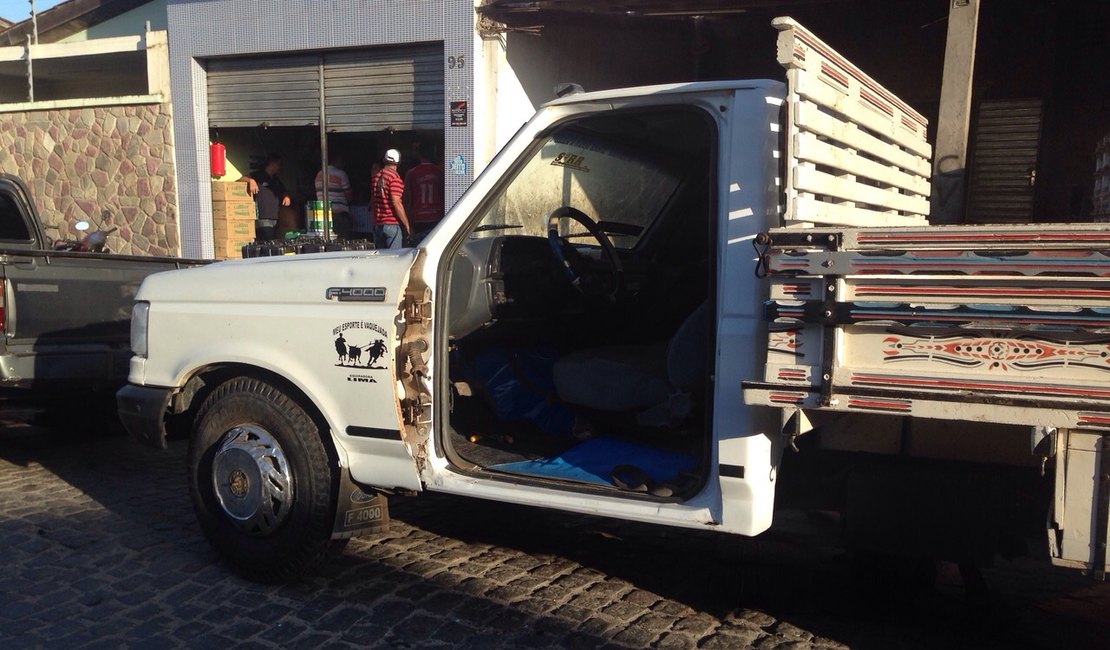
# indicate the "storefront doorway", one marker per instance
pixel 306 108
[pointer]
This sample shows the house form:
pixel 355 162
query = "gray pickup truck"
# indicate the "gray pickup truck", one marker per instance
pixel 64 315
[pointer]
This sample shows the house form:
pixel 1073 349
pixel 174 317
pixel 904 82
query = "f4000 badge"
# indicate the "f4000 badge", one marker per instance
pixel 355 294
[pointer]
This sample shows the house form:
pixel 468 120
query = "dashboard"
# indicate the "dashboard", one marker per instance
pixel 509 277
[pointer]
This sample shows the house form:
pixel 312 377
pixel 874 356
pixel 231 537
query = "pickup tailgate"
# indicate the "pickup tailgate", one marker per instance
pixel 1005 324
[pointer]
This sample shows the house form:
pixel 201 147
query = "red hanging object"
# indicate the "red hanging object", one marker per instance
pixel 217 159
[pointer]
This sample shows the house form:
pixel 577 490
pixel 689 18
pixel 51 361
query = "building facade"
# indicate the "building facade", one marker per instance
pixel 301 76
pixel 309 80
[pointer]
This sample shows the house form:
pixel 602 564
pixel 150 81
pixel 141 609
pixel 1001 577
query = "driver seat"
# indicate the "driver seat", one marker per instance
pixel 653 380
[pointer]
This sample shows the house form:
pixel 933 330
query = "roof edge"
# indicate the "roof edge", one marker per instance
pixel 65 19
pixel 665 89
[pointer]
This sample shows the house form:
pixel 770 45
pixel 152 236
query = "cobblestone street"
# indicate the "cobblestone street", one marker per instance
pixel 100 549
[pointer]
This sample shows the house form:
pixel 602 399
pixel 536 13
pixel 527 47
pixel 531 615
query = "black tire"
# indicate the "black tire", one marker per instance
pixel 286 533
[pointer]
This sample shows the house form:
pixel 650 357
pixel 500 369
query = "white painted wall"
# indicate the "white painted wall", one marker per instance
pixel 126 24
pixel 496 83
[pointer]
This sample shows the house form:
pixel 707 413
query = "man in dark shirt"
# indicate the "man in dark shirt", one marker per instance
pixel 269 195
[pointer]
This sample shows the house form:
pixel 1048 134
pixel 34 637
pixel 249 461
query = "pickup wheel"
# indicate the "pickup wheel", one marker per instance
pixel 262 486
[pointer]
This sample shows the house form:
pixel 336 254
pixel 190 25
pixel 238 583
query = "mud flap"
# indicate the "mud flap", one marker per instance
pixel 358 511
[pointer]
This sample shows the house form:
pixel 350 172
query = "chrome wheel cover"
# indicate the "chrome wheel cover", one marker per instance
pixel 252 480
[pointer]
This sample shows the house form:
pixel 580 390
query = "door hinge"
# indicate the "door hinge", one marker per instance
pixel 417 310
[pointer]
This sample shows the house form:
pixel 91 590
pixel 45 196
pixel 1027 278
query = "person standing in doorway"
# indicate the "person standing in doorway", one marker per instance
pixel 424 195
pixel 269 195
pixel 391 223
pixel 339 193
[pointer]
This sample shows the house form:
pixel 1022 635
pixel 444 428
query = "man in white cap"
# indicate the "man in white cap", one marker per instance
pixel 391 223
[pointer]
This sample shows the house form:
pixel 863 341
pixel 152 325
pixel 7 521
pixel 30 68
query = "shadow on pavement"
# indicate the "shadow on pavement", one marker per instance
pixel 796 574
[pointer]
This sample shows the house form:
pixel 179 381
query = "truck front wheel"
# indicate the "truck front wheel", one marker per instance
pixel 260 479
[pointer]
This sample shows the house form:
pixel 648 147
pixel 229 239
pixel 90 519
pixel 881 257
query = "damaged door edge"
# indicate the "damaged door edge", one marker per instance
pixel 414 391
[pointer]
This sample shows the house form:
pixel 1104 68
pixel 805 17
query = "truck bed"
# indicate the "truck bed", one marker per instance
pixel 66 317
pixel 1006 324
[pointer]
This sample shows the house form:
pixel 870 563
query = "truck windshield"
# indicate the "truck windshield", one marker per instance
pixel 621 171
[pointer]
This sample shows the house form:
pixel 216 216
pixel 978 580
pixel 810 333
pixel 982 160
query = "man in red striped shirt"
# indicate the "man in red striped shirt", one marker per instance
pixel 391 223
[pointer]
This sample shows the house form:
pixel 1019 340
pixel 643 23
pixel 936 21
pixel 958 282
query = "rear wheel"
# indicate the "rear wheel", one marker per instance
pixel 262 486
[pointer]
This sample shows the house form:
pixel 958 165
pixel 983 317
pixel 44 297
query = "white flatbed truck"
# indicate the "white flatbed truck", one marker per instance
pixel 643 301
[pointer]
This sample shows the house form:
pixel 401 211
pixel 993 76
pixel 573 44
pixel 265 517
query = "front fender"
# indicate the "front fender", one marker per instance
pixel 365 436
pixel 326 324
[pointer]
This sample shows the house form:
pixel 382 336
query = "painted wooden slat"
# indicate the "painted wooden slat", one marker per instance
pixel 816 211
pixel 809 117
pixel 857 111
pixel 817 182
pixel 810 149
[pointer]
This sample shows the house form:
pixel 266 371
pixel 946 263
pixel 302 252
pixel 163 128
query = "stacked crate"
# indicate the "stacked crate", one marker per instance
pixel 233 217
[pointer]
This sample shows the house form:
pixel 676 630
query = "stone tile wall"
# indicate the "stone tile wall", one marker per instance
pixel 82 162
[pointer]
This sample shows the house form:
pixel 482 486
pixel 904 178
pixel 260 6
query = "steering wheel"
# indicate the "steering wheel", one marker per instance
pixel 579 269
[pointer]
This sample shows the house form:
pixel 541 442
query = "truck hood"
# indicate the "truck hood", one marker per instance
pixel 294 278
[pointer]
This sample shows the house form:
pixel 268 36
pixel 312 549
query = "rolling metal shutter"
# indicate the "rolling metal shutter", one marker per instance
pixel 370 90
pixel 276 91
pixel 364 90
pixel 1002 182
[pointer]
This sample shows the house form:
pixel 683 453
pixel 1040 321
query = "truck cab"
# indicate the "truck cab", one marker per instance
pixel 557 340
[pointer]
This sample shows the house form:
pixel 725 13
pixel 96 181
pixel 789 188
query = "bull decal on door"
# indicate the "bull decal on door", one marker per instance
pixel 360 344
